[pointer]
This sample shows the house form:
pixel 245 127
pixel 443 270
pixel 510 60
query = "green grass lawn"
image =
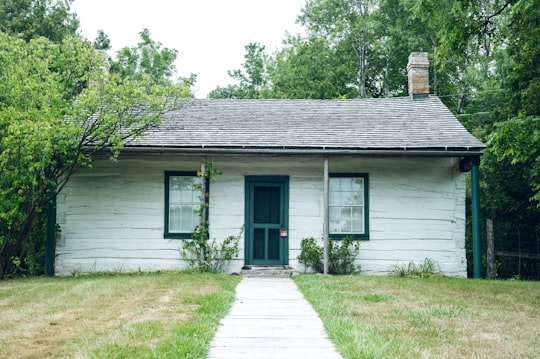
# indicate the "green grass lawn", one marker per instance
pixel 172 315
pixel 175 315
pixel 385 317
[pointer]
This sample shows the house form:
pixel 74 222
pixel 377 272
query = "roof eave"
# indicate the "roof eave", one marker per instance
pixel 395 152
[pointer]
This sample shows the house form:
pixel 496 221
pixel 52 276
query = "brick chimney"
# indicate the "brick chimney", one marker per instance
pixel 418 70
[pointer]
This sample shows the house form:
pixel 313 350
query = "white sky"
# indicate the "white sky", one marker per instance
pixel 210 35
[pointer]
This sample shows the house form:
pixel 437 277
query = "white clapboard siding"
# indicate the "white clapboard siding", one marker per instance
pixel 112 216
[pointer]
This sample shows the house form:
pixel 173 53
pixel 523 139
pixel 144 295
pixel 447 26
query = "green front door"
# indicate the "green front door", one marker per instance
pixel 267 222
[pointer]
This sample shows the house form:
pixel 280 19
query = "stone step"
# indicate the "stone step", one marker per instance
pixel 268 271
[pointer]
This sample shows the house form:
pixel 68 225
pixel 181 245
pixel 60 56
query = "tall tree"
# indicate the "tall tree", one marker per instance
pixel 398 34
pixel 102 41
pixel 524 79
pixel 252 79
pixel 349 20
pixel 33 18
pixel 511 164
pixel 148 58
pixel 58 107
pixel 311 68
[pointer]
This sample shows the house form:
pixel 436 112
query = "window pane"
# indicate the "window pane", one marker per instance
pixel 333 184
pixel 184 199
pixel 334 198
pixel 334 220
pixel 358 220
pixel 358 199
pixel 174 218
pixel 346 205
pixel 186 196
pixel 346 184
pixel 346 220
pixel 347 198
pixel 357 184
pixel 174 189
pixel 187 219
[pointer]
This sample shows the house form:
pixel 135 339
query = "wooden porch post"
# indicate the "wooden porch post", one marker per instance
pixel 325 215
pixel 202 222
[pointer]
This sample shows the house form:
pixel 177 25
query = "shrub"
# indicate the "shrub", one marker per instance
pixel 341 255
pixel 428 269
pixel 215 254
pixel 311 255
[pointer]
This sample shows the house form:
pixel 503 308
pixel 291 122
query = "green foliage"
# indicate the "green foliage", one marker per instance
pixel 203 253
pixel 229 91
pixel 348 21
pixel 311 255
pixel 252 78
pixel 58 107
pixel 341 255
pixel 510 172
pixel 217 254
pixel 429 268
pixel 34 18
pixel 102 41
pixel 311 69
pixel 516 143
pixel 523 36
pixel 147 59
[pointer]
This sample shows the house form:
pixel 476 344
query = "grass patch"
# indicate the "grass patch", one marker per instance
pixel 388 317
pixel 169 315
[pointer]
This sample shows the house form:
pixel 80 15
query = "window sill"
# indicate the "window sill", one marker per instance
pixel 177 235
pixel 357 237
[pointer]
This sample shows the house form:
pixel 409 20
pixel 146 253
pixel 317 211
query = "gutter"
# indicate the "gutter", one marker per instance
pixel 307 151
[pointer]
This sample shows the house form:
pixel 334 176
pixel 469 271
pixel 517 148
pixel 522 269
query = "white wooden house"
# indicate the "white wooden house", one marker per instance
pixel 395 183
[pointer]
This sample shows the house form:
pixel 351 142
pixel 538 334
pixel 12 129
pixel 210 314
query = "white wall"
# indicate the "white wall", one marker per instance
pixel 112 215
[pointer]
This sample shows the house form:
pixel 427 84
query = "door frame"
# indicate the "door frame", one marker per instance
pixel 250 183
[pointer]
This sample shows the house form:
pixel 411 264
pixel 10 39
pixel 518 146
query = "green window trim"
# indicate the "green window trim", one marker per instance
pixel 180 234
pixel 335 205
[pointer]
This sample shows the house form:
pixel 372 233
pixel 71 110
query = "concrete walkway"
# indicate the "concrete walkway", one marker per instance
pixel 269 319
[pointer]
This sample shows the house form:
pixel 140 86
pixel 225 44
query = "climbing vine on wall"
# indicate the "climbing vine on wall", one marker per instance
pixel 203 253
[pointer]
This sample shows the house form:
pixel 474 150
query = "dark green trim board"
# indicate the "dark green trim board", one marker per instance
pixel 50 242
pixel 359 236
pixel 175 235
pixel 476 227
pixel 266 237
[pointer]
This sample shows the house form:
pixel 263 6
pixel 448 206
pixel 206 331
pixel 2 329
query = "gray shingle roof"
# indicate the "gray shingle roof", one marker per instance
pixel 389 124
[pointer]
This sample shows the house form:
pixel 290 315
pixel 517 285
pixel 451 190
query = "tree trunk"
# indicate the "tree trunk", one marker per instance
pixel 386 80
pixel 361 53
pixel 460 103
pixel 13 244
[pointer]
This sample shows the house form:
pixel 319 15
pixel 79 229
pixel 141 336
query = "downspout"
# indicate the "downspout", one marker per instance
pixel 51 230
pixel 476 232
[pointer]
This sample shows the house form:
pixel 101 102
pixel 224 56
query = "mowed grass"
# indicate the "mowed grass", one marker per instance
pixel 384 317
pixel 170 315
